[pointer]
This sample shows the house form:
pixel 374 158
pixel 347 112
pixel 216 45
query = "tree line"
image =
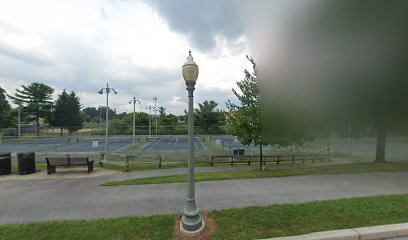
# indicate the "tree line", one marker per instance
pixel 34 101
pixel 66 112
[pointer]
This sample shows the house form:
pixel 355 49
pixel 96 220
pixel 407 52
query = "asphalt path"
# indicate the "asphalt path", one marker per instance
pixel 25 201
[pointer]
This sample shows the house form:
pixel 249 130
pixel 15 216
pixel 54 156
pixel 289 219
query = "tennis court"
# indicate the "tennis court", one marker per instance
pixel 231 142
pixel 33 144
pixel 96 145
pixel 172 144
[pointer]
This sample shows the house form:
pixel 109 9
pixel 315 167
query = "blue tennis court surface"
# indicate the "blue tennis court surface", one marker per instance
pixel 231 142
pixel 31 144
pixel 24 147
pixel 172 144
pixel 88 145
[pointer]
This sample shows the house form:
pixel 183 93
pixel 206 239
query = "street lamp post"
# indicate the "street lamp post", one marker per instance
pixel 155 112
pixel 134 100
pixel 100 116
pixel 19 122
pixel 191 221
pixel 150 120
pixel 107 91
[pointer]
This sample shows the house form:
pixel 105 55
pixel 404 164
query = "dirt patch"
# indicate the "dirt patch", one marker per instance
pixel 207 234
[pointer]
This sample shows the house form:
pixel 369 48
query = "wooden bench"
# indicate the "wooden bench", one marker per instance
pixel 53 162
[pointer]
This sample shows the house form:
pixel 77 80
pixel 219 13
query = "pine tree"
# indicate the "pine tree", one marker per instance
pixel 36 100
pixel 67 113
pixel 5 111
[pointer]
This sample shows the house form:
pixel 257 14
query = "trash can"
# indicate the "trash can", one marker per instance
pixel 26 163
pixel 5 163
pixel 236 152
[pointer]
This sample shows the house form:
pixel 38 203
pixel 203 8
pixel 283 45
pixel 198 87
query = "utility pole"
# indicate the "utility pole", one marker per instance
pixel 107 90
pixel 155 112
pixel 134 100
pixel 150 120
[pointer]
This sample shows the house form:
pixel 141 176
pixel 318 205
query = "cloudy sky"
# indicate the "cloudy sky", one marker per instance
pixel 138 47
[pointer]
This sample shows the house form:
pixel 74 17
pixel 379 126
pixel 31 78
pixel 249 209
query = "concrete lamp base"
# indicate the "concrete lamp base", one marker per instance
pixel 192 233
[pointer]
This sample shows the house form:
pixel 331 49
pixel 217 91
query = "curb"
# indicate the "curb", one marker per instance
pixel 363 233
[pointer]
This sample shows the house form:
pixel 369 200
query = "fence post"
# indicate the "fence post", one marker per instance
pixel 303 159
pixel 126 163
pixel 328 154
pixel 293 159
pixel 249 161
pixel 232 161
pixel 160 161
pixel 278 160
pixel 212 161
pixel 102 158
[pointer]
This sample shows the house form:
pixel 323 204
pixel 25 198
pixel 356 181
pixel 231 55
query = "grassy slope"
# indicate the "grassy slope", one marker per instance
pixel 245 223
pixel 268 173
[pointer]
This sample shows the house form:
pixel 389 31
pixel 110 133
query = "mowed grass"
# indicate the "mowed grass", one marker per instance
pixel 297 219
pixel 153 227
pixel 269 173
pixel 241 224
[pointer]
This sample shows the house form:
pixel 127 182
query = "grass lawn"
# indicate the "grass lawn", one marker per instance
pixel 268 173
pixel 245 223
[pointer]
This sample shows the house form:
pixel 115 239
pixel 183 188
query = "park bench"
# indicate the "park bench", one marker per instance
pixel 53 162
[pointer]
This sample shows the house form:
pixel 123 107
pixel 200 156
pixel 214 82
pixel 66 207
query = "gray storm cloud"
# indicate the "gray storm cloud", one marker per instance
pixel 202 20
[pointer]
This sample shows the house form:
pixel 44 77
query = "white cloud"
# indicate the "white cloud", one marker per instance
pixel 81 45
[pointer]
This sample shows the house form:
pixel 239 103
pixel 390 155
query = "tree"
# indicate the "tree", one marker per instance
pixel 36 99
pixel 208 116
pixel 92 114
pixel 244 121
pixel 5 111
pixel 343 61
pixel 124 125
pixel 67 113
pixel 169 121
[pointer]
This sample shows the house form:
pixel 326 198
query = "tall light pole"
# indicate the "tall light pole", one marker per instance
pixel 150 120
pixel 100 116
pixel 155 112
pixel 134 100
pixel 191 221
pixel 19 122
pixel 107 91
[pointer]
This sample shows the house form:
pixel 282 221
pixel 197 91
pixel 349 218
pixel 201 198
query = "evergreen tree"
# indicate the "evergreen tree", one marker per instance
pixel 67 113
pixel 36 99
pixel 5 111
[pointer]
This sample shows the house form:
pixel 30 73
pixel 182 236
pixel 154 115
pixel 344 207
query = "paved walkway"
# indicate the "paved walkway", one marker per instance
pixel 24 201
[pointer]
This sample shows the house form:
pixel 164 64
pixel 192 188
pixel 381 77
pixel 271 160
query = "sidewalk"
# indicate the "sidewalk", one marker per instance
pixel 385 232
pixel 25 201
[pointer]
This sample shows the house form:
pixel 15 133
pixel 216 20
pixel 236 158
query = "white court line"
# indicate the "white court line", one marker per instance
pixel 201 143
pixel 195 144
pixel 144 146
pixel 153 145
pixel 120 147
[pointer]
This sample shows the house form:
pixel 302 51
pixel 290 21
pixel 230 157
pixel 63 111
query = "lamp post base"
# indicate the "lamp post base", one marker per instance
pixel 198 226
